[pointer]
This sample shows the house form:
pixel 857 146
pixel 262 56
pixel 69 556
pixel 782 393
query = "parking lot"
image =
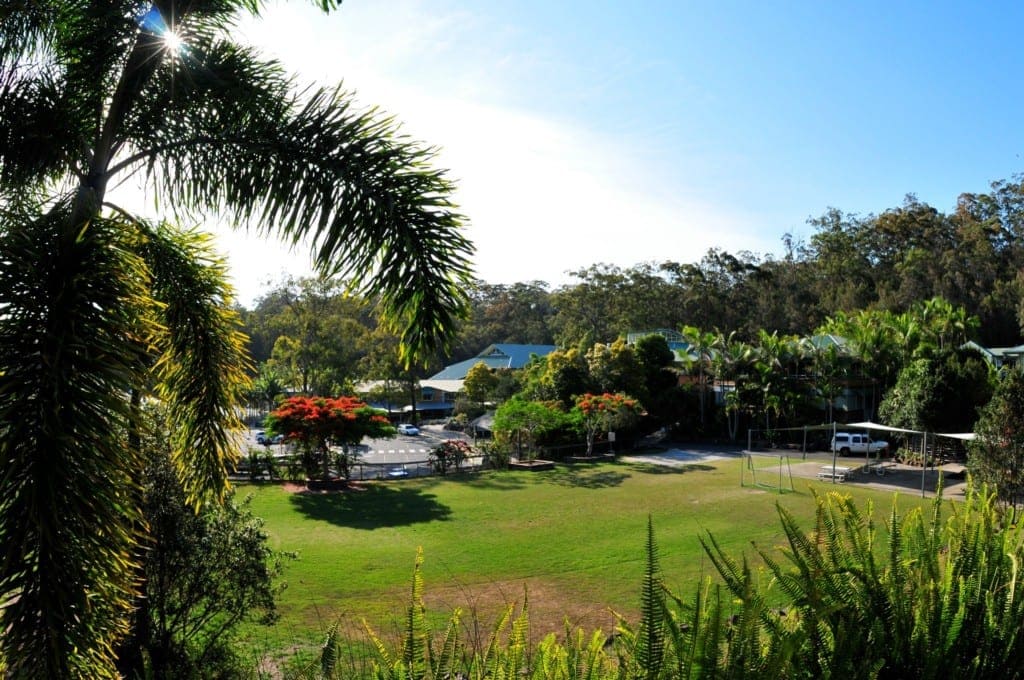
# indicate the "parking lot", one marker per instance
pixel 403 455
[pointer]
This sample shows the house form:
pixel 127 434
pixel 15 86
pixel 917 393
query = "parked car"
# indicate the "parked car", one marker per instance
pixel 846 443
pixel 265 439
pixel 408 428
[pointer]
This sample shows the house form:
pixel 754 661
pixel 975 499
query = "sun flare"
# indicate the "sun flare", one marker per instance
pixel 173 42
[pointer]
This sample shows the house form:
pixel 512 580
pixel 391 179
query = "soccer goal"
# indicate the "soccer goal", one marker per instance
pixel 770 471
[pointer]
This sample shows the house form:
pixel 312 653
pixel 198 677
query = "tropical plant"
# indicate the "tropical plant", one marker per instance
pixel 506 652
pixel 101 307
pixel 937 600
pixel 418 657
pixel 701 352
pixel 732 365
pixel 829 364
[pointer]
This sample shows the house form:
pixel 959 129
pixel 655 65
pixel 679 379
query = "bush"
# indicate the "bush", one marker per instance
pixel 449 455
pixel 495 456
pixel 204 574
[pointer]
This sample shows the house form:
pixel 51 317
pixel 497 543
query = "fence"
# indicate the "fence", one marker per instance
pixel 290 468
pixel 265 466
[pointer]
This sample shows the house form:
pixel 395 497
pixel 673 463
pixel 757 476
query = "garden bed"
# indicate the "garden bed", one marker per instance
pixel 532 465
pixel 591 459
pixel 328 485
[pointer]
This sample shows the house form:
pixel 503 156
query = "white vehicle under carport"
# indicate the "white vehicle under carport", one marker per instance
pixel 848 443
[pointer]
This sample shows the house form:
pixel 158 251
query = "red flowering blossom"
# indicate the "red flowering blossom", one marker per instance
pixel 601 412
pixel 315 422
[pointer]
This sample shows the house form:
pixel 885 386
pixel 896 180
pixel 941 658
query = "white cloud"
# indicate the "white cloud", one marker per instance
pixel 543 196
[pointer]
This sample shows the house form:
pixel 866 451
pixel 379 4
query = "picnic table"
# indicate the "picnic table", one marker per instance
pixel 836 473
pixel 878 468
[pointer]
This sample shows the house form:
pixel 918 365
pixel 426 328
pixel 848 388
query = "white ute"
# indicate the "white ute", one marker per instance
pixel 846 443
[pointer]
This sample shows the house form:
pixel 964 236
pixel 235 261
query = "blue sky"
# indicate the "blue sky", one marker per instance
pixel 619 132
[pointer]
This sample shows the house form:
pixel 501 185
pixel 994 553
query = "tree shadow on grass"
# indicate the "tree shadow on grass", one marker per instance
pixel 598 476
pixel 496 480
pixel 653 469
pixel 374 506
pixel 583 478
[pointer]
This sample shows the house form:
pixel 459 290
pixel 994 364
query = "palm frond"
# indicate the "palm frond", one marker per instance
pixel 201 372
pixel 231 136
pixel 30 110
pixel 73 310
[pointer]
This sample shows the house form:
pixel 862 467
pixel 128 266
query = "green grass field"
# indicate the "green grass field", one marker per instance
pixel 572 537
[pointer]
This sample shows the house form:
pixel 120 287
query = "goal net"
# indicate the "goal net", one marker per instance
pixel 771 471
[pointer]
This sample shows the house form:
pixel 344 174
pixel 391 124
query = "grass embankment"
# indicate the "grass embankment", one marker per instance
pixel 573 537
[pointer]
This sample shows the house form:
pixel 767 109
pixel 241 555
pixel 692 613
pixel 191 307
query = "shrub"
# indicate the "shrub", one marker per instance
pixel 449 455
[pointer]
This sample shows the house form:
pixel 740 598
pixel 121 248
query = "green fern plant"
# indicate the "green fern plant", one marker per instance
pixel 641 649
pixel 941 599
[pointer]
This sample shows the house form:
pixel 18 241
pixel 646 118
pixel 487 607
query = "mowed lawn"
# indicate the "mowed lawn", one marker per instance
pixel 573 538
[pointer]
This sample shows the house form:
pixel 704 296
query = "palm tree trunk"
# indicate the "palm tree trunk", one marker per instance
pixel 703 389
pixel 130 659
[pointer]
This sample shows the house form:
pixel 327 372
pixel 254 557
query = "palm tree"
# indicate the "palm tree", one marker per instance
pixel 945 322
pixel 732 362
pixel 101 308
pixel 701 351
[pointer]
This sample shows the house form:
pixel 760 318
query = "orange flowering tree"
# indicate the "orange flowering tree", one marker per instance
pixel 314 423
pixel 602 412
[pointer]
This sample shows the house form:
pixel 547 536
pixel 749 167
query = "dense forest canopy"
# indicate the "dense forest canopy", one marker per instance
pixel 972 257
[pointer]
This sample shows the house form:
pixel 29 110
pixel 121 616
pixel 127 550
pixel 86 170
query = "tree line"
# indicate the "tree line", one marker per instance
pixel 972 257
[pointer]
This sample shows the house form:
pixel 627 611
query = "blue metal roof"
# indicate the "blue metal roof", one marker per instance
pixel 498 356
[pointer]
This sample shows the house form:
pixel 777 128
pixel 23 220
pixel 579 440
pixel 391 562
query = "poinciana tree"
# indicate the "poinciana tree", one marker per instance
pixel 102 308
pixel 602 412
pixel 315 423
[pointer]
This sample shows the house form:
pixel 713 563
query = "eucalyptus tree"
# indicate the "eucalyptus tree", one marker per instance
pixel 101 307
pixel 322 335
pixel 596 309
pixel 516 313
pixel 616 368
